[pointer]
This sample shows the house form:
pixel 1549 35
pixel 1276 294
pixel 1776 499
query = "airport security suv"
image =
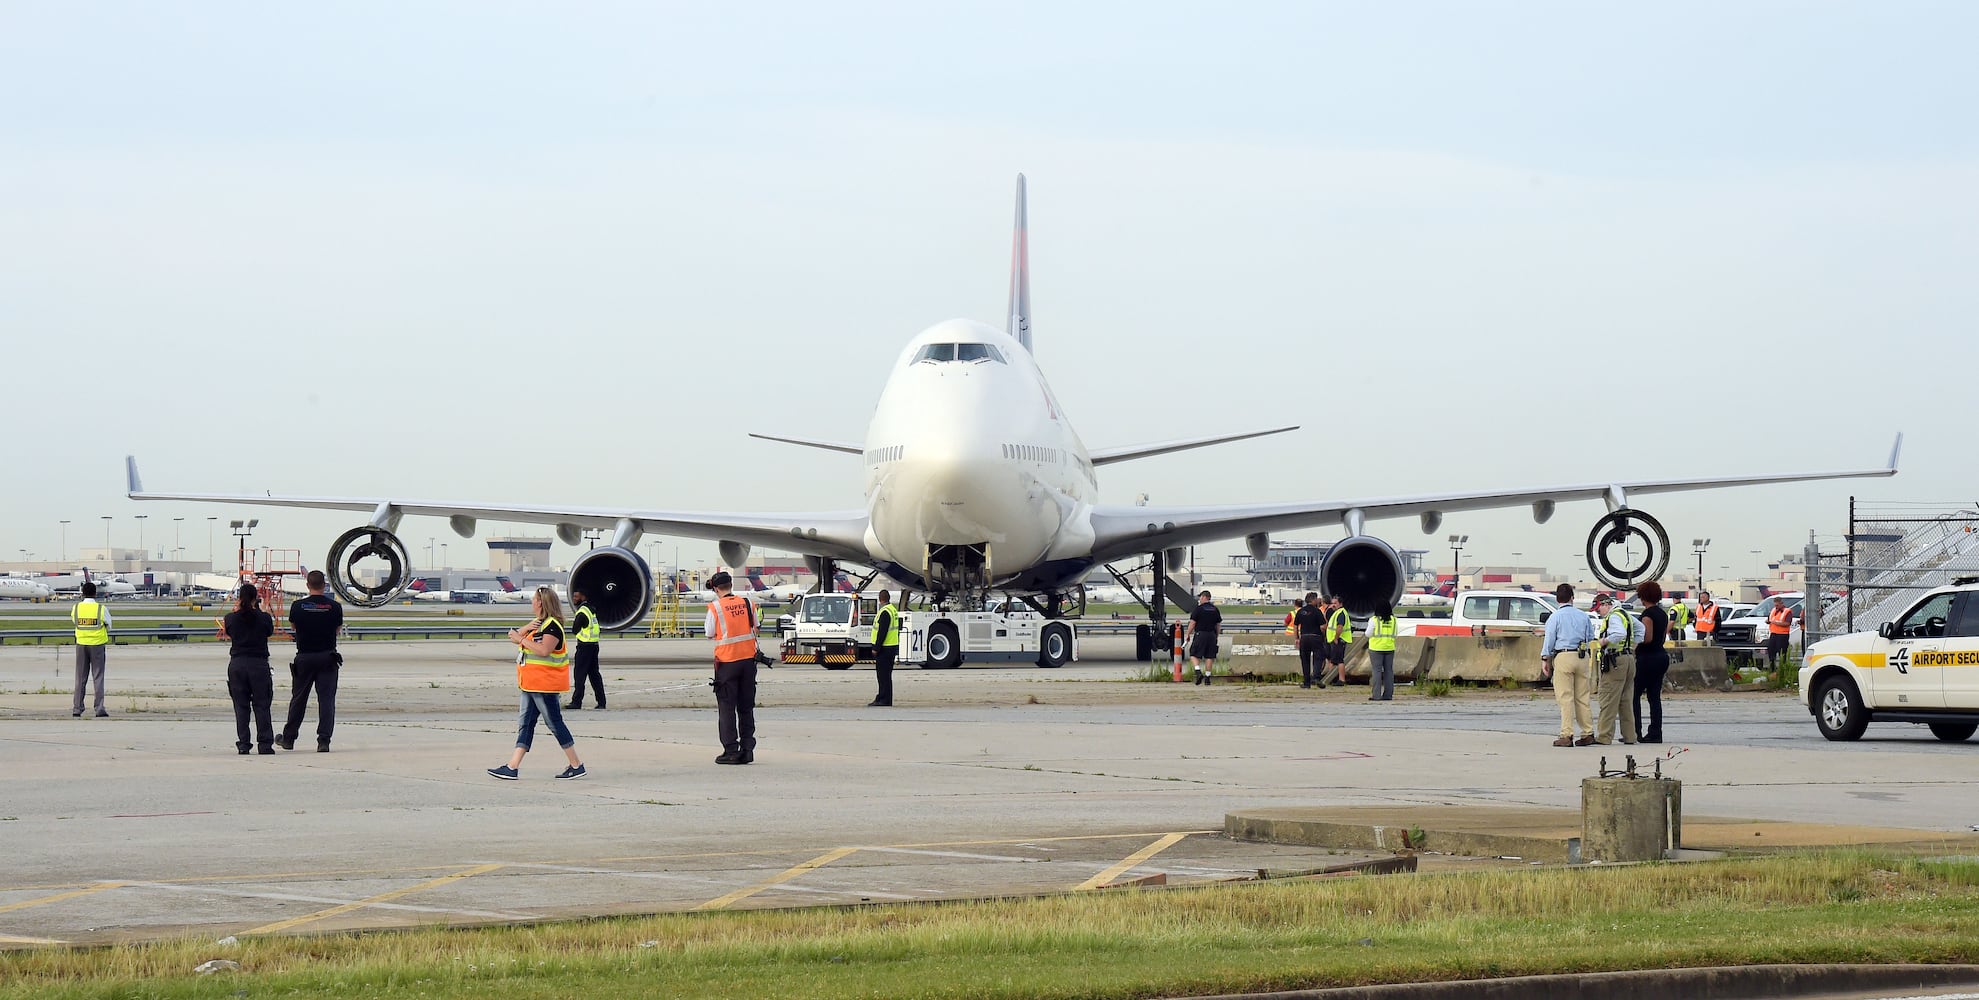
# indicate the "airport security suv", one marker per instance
pixel 1922 668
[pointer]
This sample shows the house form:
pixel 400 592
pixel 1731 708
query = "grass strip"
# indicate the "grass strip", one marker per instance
pixel 1844 907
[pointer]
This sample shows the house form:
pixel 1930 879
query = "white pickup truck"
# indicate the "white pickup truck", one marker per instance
pixel 1487 612
pixel 836 631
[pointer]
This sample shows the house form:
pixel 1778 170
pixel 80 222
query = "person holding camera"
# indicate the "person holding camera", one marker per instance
pixel 1614 689
pixel 250 680
pixel 1568 632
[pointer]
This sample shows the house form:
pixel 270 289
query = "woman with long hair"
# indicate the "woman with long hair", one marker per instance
pixel 1652 661
pixel 250 680
pixel 542 672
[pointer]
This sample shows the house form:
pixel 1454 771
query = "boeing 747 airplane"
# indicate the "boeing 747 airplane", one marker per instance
pixel 976 482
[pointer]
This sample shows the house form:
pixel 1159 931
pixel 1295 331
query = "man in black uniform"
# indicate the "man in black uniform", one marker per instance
pixel 584 625
pixel 1310 623
pixel 314 621
pixel 1204 623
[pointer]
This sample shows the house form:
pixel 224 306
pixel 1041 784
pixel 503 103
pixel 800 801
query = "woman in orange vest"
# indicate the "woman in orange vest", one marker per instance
pixel 542 671
pixel 1779 626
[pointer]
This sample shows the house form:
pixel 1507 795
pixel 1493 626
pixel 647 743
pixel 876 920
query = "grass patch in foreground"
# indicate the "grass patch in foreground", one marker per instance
pixel 1288 935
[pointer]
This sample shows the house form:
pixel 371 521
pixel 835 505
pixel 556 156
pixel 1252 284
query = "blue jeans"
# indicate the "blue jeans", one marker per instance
pixel 537 703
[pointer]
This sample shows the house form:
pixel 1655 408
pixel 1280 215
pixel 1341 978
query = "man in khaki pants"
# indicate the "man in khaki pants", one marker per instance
pixel 1614 687
pixel 1563 660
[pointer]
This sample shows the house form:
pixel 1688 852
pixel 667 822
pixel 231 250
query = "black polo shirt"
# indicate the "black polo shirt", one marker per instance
pixel 315 620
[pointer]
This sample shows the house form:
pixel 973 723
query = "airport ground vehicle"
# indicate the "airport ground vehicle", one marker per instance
pixel 835 631
pixel 1922 668
pixel 1478 611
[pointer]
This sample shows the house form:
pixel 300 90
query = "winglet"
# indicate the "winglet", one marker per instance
pixel 135 485
pixel 1020 274
pixel 1895 450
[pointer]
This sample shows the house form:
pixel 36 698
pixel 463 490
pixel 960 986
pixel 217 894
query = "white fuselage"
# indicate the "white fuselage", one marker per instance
pixel 17 589
pixel 975 452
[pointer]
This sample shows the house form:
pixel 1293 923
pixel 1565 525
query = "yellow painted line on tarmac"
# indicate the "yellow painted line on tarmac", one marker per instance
pixel 1166 842
pixel 383 897
pixel 58 897
pixel 721 902
pixel 10 939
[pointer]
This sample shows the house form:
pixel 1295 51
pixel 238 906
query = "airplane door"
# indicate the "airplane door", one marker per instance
pixel 1913 667
pixel 1961 653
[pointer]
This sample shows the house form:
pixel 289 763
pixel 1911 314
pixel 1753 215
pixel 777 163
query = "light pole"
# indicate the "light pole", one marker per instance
pixel 241 530
pixel 177 549
pixel 1698 545
pixel 431 544
pixel 65 541
pixel 209 543
pixel 107 557
pixel 443 555
pixel 1456 555
pixel 1755 562
pixel 142 555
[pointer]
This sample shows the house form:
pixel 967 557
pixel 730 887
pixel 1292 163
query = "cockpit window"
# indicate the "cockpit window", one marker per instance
pixel 959 352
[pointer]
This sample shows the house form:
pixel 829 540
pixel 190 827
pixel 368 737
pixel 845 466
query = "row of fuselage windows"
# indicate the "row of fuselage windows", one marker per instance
pixel 958 352
pixel 891 453
pixel 1032 453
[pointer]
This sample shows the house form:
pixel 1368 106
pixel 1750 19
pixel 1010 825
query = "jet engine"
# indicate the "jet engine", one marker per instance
pixel 616 583
pixel 361 543
pixel 1361 571
pixel 1627 531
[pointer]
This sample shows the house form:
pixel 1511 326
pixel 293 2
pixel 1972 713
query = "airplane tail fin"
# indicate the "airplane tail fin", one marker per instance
pixel 417 586
pixel 1020 274
pixel 507 587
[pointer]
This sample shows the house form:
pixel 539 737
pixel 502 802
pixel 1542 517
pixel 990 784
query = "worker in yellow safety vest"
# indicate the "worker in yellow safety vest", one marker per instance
pixel 585 662
pixel 1381 631
pixel 1339 635
pixel 1679 618
pixel 886 646
pixel 732 624
pixel 92 624
pixel 542 672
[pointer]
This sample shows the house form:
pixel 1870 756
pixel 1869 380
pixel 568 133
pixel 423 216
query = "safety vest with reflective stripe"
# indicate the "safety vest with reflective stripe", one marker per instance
pixel 587 624
pixel 1628 628
pixel 890 637
pixel 735 634
pixel 1707 619
pixel 1680 615
pixel 1381 635
pixel 1339 627
pixel 540 672
pixel 1291 629
pixel 92 628
pixel 1779 621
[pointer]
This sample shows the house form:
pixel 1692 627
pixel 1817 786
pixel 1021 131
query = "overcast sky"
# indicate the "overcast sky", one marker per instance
pixel 499 252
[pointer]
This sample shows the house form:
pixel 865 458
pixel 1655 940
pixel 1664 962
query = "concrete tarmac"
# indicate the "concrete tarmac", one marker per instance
pixel 980 781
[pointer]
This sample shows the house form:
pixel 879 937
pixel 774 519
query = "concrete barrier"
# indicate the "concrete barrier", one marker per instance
pixel 1486 658
pixel 1412 658
pixel 1698 668
pixel 1258 653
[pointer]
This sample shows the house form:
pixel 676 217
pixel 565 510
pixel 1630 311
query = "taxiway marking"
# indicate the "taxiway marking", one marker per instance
pixel 283 925
pixel 1131 860
pixel 786 875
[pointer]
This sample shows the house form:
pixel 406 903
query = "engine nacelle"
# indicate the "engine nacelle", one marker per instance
pixel 1644 545
pixel 616 583
pixel 1362 571
pixel 359 544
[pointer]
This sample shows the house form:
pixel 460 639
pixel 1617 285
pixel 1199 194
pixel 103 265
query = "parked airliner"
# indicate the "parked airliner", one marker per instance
pixel 975 480
pixel 20 588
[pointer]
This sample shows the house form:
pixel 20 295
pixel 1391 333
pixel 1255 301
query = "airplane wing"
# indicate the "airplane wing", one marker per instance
pixel 1122 531
pixel 839 446
pixel 1107 456
pixel 835 534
